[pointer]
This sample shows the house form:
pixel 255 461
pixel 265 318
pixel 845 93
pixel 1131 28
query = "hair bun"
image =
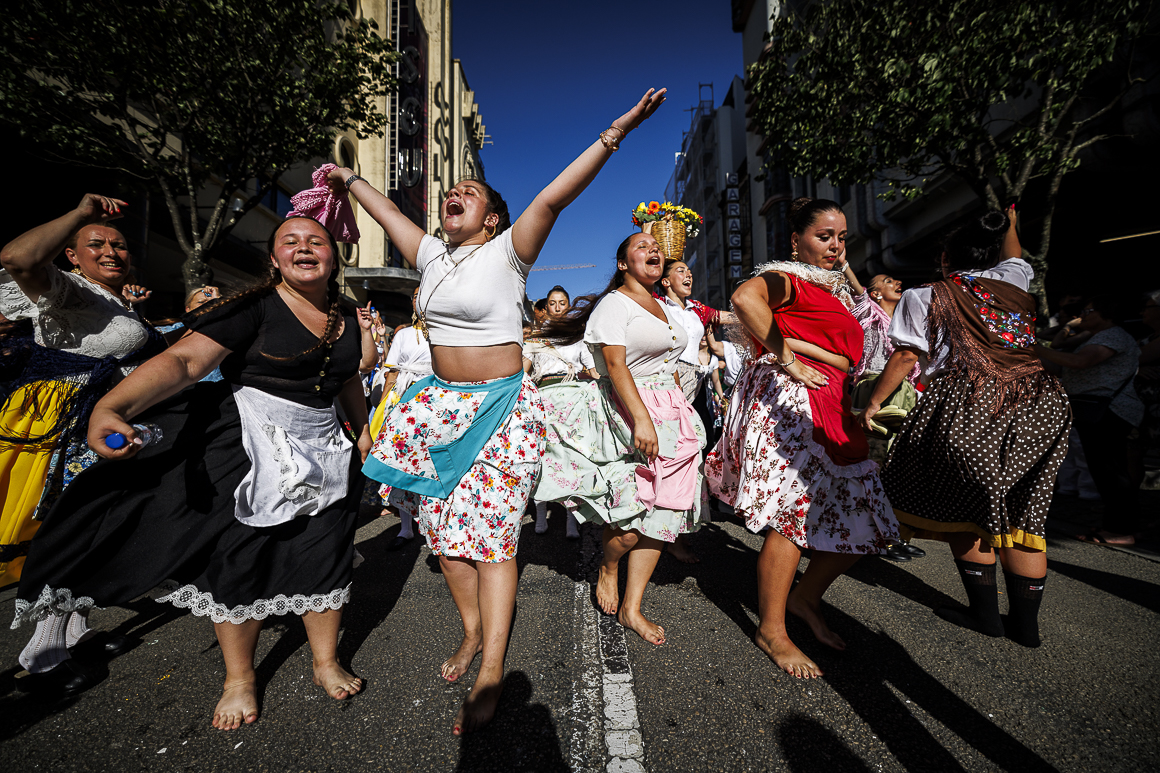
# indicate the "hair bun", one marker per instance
pixel 797 206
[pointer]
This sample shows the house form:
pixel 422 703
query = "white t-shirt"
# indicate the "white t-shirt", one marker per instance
pixel 651 347
pixel 733 363
pixel 550 359
pixel 481 303
pixel 908 325
pixel 694 329
pixel 410 350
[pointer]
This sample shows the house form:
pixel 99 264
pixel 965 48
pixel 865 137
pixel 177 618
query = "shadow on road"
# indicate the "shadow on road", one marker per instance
pixel 810 746
pixel 1146 594
pixel 522 737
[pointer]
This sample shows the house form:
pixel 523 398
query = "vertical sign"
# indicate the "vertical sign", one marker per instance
pixel 410 195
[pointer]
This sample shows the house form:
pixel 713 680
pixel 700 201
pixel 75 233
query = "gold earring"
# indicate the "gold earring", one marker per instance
pixel 793 254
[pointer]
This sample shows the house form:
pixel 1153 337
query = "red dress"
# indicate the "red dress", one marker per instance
pixel 815 316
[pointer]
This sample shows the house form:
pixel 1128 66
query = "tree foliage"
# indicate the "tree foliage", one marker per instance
pixel 192 95
pixel 996 93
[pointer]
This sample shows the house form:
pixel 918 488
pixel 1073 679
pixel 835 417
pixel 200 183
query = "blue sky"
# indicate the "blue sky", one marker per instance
pixel 549 77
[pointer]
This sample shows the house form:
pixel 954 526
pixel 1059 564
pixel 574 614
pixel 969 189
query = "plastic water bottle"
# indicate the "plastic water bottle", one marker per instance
pixel 146 433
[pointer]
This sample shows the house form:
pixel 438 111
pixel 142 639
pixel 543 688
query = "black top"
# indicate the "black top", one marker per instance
pixel 253 328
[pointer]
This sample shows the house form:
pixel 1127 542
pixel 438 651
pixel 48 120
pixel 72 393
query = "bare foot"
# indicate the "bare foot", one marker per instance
pixel 457 665
pixel 787 656
pixel 812 614
pixel 335 680
pixel 238 704
pixel 479 708
pixel 608 590
pixel 680 550
pixel 1102 537
pixel 644 628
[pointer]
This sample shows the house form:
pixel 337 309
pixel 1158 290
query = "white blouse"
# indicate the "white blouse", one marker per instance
pixel 651 347
pixel 551 360
pixel 76 315
pixel 694 329
pixel 908 325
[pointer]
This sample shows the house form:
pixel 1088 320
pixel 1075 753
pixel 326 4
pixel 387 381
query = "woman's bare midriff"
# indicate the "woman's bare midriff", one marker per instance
pixel 815 352
pixel 476 363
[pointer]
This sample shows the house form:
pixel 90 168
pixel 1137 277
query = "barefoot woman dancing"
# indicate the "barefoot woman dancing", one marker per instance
pixel 474 480
pixel 244 504
pixel 629 447
pixel 791 456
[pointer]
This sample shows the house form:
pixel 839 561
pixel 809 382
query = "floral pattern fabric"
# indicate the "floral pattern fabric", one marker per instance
pixel 768 466
pixel 481 518
pixel 590 461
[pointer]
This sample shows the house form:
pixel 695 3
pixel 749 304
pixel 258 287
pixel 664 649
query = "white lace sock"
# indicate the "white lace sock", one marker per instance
pixel 78 629
pixel 541 517
pixel 47 648
pixel 407 528
pixel 573 525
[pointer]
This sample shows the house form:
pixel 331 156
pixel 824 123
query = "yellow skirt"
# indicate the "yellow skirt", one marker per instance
pixel 31 410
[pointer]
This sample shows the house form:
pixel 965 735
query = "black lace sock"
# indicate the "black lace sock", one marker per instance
pixel 983 613
pixel 1024 595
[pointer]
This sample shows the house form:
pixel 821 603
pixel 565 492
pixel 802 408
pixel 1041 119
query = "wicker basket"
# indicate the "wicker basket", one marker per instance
pixel 670 236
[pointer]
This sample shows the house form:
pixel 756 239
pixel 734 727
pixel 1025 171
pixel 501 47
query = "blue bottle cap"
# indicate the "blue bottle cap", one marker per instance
pixel 115 441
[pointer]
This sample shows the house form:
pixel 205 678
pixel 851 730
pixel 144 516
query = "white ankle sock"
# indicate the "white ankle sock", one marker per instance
pixel 78 629
pixel 407 525
pixel 541 517
pixel 47 648
pixel 573 525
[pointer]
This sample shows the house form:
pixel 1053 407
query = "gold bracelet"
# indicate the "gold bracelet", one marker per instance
pixel 608 143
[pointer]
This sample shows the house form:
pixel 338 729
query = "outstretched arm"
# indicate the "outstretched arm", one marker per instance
pixel 27 256
pixel 402 232
pixel 531 229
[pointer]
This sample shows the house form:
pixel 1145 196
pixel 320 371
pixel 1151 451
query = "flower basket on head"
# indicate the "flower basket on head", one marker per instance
pixel 670 235
pixel 670 224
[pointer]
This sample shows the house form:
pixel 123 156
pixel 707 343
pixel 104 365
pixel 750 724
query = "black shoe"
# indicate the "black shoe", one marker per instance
pixel 399 542
pixel 911 550
pixel 895 553
pixel 118 645
pixel 66 679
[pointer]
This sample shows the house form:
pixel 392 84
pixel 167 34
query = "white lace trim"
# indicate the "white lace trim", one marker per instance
pixel 203 605
pixel 57 601
pixel 833 282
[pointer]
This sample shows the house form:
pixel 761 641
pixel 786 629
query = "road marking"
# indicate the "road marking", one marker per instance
pixel 623 743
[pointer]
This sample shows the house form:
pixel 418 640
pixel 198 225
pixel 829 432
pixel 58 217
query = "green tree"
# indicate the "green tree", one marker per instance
pixel 999 94
pixel 196 97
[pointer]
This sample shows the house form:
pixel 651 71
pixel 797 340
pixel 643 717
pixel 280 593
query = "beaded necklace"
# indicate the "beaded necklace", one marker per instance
pixel 1015 330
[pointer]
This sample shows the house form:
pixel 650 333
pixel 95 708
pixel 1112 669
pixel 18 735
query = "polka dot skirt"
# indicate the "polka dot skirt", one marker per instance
pixel 955 467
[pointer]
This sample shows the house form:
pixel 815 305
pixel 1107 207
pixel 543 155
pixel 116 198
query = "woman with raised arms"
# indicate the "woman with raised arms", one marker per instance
pixel 474 478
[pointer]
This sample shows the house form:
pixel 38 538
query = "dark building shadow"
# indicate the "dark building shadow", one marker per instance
pixel 522 737
pixel 809 747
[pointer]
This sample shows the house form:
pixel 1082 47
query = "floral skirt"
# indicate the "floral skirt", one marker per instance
pixel 481 518
pixel 591 461
pixel 771 468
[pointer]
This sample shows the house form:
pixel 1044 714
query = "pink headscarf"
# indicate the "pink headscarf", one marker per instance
pixel 333 212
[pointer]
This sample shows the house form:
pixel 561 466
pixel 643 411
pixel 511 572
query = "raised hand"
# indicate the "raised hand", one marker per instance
pixel 366 318
pixel 95 208
pixel 640 112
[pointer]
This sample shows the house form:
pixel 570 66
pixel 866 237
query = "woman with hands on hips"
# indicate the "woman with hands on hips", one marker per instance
pixel 791 456
pixel 473 493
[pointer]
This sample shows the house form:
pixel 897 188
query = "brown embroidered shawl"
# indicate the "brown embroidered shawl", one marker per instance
pixel 988 329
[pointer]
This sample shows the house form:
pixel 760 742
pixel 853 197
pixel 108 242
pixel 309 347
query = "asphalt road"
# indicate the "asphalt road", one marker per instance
pixel 911 693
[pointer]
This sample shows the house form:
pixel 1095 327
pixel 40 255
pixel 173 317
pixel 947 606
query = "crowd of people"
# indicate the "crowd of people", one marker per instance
pixel 839 420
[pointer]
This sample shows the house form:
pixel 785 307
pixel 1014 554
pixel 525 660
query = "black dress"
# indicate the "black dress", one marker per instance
pixel 164 520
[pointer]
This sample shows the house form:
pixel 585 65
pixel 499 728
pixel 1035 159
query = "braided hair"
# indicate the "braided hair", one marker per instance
pixel 270 280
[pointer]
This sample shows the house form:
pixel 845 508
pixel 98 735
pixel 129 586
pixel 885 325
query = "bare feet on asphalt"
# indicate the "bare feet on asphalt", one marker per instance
pixel 479 707
pixel 608 590
pixel 335 680
pixel 457 665
pixel 644 628
pixel 812 615
pixel 787 656
pixel 238 704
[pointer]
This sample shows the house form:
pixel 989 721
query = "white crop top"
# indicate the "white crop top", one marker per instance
pixel 481 303
pixel 651 347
